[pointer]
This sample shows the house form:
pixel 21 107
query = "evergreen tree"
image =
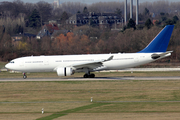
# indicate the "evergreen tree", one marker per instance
pixel 85 10
pixel 162 13
pixel 64 17
pixel 169 22
pixel 118 11
pixel 2 31
pixel 148 23
pixel 35 19
pixel 18 29
pixel 78 11
pixel 131 24
pixel 163 18
pixel 175 19
pixel 146 11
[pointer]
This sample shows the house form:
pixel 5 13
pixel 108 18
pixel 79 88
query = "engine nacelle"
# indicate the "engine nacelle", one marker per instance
pixel 66 71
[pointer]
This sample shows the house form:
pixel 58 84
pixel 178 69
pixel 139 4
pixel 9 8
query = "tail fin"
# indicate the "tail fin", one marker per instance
pixel 160 42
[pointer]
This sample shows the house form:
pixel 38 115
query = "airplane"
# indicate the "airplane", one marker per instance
pixel 66 65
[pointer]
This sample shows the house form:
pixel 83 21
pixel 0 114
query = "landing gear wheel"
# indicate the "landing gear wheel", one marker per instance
pixel 91 76
pixel 86 76
pixel 24 76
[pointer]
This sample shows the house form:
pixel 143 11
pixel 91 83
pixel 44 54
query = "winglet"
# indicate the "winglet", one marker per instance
pixel 110 58
pixel 160 42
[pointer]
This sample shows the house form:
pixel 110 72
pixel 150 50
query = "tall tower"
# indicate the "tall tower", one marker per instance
pixel 131 9
pixel 56 3
pixel 125 11
pixel 137 11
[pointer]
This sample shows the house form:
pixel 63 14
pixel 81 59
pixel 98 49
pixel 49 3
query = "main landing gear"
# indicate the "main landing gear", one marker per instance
pixel 89 75
pixel 24 75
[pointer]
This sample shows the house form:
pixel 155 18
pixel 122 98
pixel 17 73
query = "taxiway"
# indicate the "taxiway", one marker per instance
pixel 89 79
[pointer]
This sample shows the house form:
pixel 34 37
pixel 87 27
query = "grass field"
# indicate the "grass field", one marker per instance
pixel 2 64
pixel 70 100
pixel 124 99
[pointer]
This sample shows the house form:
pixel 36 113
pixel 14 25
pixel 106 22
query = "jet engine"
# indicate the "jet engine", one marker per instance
pixel 66 71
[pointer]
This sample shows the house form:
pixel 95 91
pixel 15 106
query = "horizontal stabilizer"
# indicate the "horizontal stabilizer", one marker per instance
pixel 165 54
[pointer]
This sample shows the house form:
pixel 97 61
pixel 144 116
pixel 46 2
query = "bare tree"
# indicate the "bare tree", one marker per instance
pixel 106 6
pixel 72 7
pixel 29 8
pixel 56 13
pixel 45 11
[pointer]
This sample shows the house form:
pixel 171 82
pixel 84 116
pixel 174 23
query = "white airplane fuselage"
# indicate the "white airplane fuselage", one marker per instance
pixel 66 65
pixel 51 63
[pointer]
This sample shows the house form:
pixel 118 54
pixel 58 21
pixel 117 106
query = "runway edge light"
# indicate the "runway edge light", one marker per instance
pixel 42 110
pixel 91 99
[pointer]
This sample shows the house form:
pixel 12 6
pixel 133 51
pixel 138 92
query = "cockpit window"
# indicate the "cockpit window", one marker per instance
pixel 11 61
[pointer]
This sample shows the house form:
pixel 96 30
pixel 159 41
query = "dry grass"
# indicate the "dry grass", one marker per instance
pixel 55 97
pixel 25 108
pixel 20 116
pixel 82 91
pixel 121 116
pixel 2 64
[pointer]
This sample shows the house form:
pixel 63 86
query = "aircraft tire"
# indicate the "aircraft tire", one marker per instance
pixel 24 76
pixel 85 76
pixel 91 75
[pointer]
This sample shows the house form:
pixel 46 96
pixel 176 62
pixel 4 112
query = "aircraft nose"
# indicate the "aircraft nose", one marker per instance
pixel 7 66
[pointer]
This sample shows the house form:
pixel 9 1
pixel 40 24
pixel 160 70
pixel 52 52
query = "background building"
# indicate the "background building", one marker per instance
pixel 103 20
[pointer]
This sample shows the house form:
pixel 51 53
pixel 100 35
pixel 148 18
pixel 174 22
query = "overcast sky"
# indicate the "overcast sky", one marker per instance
pixel 86 1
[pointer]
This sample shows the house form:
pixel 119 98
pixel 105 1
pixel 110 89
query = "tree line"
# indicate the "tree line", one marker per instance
pixel 17 17
pixel 78 42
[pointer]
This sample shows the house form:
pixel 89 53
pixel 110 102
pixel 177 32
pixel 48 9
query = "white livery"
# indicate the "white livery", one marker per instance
pixel 66 65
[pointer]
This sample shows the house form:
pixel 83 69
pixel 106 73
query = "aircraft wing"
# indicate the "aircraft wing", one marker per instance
pixel 91 65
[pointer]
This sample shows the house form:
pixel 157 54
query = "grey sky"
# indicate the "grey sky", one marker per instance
pixel 86 1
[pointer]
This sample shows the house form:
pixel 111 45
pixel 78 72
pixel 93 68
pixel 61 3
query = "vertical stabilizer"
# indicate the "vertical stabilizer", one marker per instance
pixel 160 42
